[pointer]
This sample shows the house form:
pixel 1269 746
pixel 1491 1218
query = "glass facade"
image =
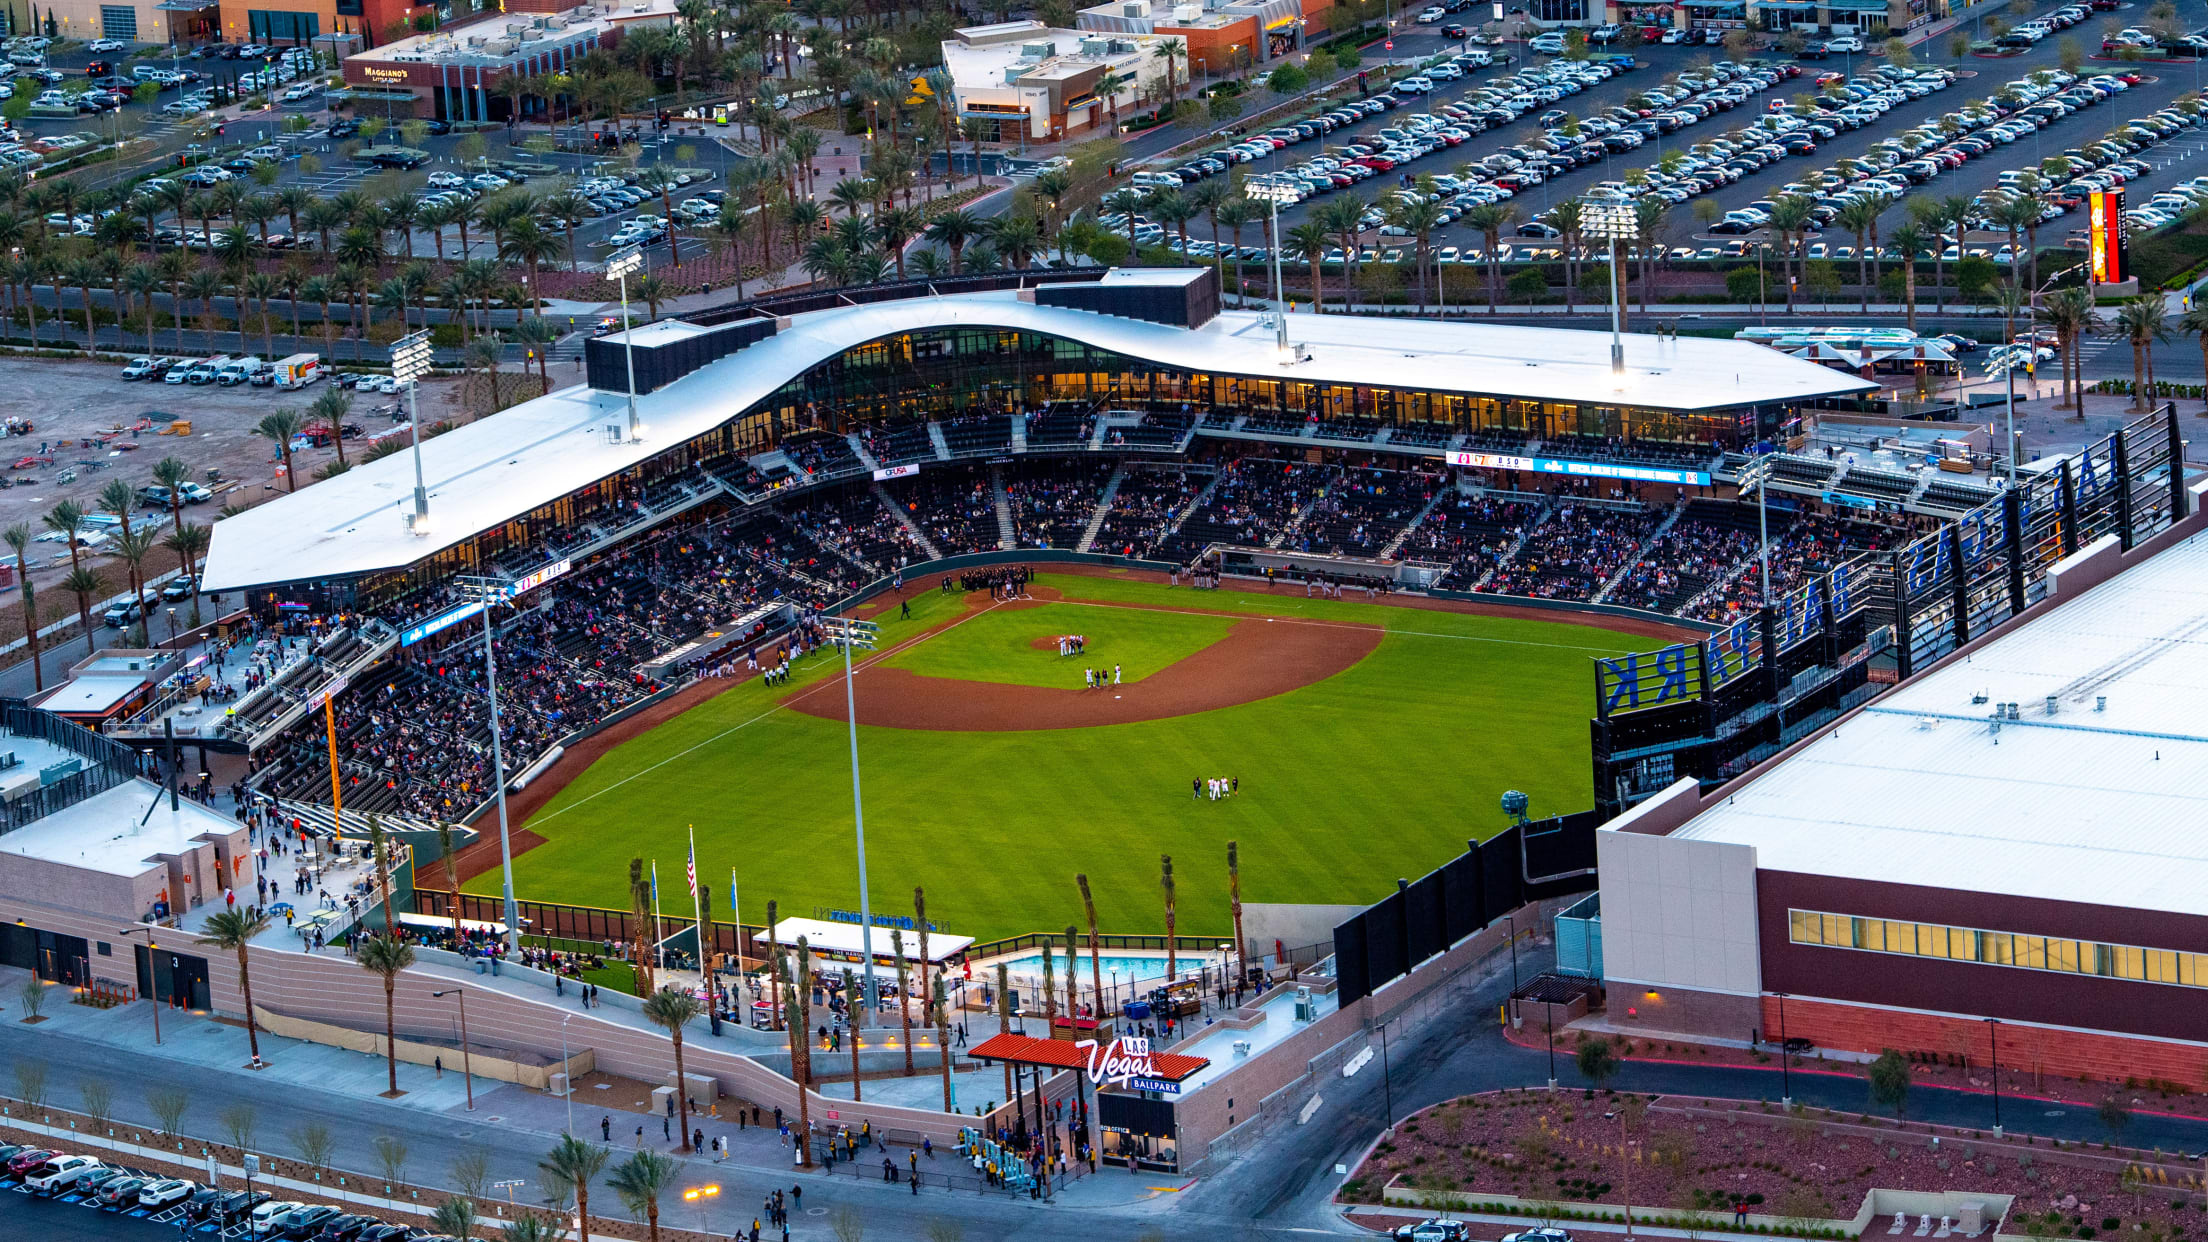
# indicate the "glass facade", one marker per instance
pixel 119 21
pixel 1999 948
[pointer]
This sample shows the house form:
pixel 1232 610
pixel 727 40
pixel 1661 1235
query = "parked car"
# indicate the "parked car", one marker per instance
pixel 180 588
pixel 58 1174
pixel 305 1221
pixel 166 1191
pixel 1439 1229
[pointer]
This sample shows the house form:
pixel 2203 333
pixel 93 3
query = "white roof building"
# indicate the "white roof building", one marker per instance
pixel 492 471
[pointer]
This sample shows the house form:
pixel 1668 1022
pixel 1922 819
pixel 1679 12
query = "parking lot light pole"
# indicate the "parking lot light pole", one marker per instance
pixel 492 592
pixel 621 266
pixel 702 1196
pixel 1786 1078
pixel 151 949
pixel 467 1069
pixel 409 362
pixel 1993 1033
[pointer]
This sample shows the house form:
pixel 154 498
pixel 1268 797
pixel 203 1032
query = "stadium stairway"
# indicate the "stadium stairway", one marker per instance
pixel 1019 434
pixel 1633 562
pixel 858 449
pixel 1506 558
pixel 1395 545
pixel 1103 507
pixel 1303 515
pixel 918 536
pixel 1195 506
pixel 935 437
pixel 1005 537
pixel 320 821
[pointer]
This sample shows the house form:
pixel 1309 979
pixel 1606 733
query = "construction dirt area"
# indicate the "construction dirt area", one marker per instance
pixel 73 427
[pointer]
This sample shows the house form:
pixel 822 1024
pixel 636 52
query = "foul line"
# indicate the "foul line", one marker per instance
pixel 856 669
pixel 1332 625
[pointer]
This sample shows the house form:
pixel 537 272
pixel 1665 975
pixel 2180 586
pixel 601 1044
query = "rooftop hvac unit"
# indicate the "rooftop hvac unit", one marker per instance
pixel 1188 12
pixel 477 40
pixel 1135 8
pixel 1096 47
pixel 1038 51
pixel 8 760
pixel 500 47
pixel 555 22
pixel 1306 1011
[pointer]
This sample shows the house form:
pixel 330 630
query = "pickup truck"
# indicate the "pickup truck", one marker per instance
pixel 58 1174
pixel 156 496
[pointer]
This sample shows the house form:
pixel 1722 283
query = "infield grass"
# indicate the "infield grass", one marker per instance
pixel 999 646
pixel 1381 771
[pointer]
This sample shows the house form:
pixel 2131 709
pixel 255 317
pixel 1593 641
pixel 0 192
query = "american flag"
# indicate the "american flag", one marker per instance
pixel 692 867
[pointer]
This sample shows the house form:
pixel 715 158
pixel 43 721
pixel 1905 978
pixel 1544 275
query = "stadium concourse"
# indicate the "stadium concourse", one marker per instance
pixel 779 466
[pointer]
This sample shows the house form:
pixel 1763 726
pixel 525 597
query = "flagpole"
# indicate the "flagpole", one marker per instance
pixel 736 915
pixel 657 938
pixel 697 911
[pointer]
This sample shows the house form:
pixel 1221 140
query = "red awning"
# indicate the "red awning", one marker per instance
pixel 1064 1054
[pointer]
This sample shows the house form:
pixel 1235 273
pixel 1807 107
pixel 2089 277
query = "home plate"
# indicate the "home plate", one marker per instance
pixel 1115 696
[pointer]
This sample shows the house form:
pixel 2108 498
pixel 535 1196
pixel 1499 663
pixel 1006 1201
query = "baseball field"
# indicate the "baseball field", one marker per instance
pixel 1365 742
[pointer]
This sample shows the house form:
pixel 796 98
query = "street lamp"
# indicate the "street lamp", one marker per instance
pixel 621 265
pixel 1272 194
pixel 467 1070
pixel 848 633
pixel 151 949
pixel 491 592
pixel 409 362
pixel 1513 921
pixel 1613 218
pixel 1993 1033
pixel 1786 1079
pixel 567 1072
pixel 2004 362
pixel 701 1196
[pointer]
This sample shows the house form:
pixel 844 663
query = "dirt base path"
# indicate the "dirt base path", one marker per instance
pixel 1259 658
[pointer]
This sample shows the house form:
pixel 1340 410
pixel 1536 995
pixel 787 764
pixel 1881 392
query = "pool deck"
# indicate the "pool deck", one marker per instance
pixel 1216 1041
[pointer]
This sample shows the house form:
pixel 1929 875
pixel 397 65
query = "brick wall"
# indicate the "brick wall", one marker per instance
pixel 2024 1048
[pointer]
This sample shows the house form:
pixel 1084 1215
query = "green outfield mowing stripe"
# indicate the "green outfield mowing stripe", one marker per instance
pixel 1381 771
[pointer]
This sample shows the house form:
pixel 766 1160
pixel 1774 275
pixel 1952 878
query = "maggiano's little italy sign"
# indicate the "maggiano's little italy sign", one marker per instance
pixel 1126 1062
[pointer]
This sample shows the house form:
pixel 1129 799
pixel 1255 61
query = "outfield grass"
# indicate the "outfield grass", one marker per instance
pixel 1000 646
pixel 1381 771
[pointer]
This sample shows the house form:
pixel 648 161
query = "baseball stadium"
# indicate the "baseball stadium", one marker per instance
pixel 1141 577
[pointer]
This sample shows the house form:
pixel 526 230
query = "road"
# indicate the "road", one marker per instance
pixel 1280 1186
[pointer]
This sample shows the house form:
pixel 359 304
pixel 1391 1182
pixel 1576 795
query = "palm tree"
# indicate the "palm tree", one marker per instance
pixel 454 1218
pixel 18 538
pixel 143 280
pixel 575 1163
pixel 134 546
pixel 797 1018
pixel 176 267
pixel 259 287
pixel 84 273
pixel 1861 218
pixel 1096 963
pixel 387 955
pixel 1791 216
pixel 897 227
pixel 953 230
pixel 233 929
pixel 322 290
pixel 329 411
pixel 2017 215
pixel 2143 322
pixel 1018 237
pixel 1419 219
pixel 1171 51
pixel 1570 220
pixel 2193 323
pixel 1309 242
pixel 531 245
pixel 1490 219
pixel 1931 215
pixel 189 545
pixel 280 426
pixel 400 213
pixel 674 1009
pixel 87 585
pixel 537 334
pixel 68 518
pixel 640 1180
pixel 2071 314
pixel 1234 911
pixel 1909 240
pixel 1165 881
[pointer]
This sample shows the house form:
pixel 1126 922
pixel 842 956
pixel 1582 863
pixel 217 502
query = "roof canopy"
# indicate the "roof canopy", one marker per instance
pixel 1065 1055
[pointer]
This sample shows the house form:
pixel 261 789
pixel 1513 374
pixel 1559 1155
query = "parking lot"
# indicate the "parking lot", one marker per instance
pixel 1739 99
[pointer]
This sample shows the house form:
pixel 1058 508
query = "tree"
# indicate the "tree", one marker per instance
pixel 280 427
pixel 1308 243
pixel 1909 240
pixel 2194 323
pixel 574 1164
pixel 1597 1060
pixel 953 230
pixel 2143 322
pixel 1288 78
pixel 386 955
pixel 1490 219
pixel 2070 312
pixel 168 1105
pixel 454 1218
pixel 18 537
pixel 1165 883
pixel 640 1181
pixel 2114 1115
pixel 1889 1080
pixel 673 1009
pixel 314 1144
pixel 1171 51
pixel 234 929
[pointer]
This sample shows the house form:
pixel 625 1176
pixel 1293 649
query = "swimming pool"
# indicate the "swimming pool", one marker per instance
pixel 1143 966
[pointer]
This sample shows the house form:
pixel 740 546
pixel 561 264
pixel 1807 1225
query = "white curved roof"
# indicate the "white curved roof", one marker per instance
pixel 501 467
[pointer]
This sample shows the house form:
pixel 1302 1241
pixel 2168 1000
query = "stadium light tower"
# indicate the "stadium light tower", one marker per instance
pixel 621 266
pixel 1612 218
pixel 1273 194
pixel 491 592
pixel 409 362
pixel 2005 361
pixel 847 633
pixel 1758 474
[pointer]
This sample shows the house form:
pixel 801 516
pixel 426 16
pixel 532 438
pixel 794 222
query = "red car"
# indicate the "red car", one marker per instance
pixel 1378 163
pixel 24 1161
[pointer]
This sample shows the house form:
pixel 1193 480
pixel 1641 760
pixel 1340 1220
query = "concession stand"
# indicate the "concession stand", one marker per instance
pixel 1134 1098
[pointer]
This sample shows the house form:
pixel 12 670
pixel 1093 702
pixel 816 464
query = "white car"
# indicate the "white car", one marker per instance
pixel 1845 43
pixel 488 182
pixel 305 90
pixel 1429 16
pixel 165 1192
pixel 106 45
pixel 1551 44
pixel 58 1174
pixel 265 1214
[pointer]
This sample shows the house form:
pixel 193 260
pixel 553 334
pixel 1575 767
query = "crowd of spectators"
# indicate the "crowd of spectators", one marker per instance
pixel 1052 502
pixel 1804 548
pixel 1255 499
pixel 1364 509
pixel 1574 552
pixel 955 509
pixel 1143 510
pixel 1678 564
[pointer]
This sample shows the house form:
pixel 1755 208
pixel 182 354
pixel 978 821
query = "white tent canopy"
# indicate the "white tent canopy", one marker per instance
pixel 824 937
